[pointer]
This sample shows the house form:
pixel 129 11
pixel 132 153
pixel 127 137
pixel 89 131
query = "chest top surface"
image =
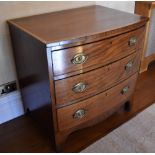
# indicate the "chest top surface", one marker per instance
pixel 80 23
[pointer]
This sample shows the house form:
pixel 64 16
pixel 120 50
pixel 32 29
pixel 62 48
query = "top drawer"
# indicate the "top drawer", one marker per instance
pixel 83 58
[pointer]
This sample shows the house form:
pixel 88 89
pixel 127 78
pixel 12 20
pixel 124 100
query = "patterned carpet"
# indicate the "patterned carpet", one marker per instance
pixel 135 136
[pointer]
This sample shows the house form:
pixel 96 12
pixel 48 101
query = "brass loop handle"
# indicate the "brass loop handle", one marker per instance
pixel 128 66
pixel 79 114
pixel 125 90
pixel 80 87
pixel 132 41
pixel 79 58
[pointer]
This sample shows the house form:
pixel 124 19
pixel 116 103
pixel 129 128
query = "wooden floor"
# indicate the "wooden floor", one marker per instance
pixel 23 135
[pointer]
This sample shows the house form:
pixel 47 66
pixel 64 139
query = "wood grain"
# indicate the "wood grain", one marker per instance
pixel 95 106
pixel 96 81
pixel 99 54
pixel 145 9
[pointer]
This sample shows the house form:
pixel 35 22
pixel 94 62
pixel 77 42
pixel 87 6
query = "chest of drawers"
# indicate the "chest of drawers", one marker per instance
pixel 76 67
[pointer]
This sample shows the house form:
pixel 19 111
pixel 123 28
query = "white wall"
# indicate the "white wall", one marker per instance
pixel 10 10
pixel 15 9
pixel 11 105
pixel 127 6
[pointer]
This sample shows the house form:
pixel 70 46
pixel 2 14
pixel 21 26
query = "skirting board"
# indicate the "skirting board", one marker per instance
pixel 10 106
pixel 145 63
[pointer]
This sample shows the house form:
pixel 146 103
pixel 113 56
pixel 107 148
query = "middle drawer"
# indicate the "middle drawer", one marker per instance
pixel 82 86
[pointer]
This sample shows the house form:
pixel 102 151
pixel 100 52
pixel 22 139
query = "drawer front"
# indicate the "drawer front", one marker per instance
pixel 81 112
pixel 90 56
pixel 75 88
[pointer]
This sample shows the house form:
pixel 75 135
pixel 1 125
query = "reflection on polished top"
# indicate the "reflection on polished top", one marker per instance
pixel 67 26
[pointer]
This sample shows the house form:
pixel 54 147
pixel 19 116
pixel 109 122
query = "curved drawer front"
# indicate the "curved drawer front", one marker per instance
pixel 76 88
pixel 81 112
pixel 83 58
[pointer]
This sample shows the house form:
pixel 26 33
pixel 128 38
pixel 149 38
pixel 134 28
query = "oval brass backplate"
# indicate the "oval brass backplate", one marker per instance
pixel 80 87
pixel 79 114
pixel 79 58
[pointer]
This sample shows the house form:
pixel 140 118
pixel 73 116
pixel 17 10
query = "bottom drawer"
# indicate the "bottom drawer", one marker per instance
pixel 81 112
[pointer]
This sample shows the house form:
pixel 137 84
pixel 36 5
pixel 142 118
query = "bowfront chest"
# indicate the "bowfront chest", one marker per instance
pixel 77 67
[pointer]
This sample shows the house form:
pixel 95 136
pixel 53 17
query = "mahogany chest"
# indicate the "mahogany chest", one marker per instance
pixel 77 67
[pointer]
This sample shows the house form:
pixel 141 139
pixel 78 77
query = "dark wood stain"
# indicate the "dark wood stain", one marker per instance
pixel 24 135
pixel 34 46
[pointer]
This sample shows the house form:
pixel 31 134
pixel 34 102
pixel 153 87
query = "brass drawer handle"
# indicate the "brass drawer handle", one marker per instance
pixel 129 66
pixel 125 90
pixel 132 41
pixel 80 87
pixel 79 58
pixel 79 114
